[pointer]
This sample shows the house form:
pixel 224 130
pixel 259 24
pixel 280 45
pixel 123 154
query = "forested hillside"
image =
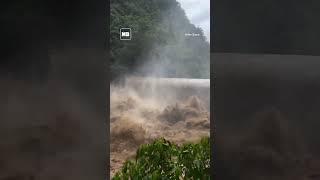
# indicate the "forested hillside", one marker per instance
pixel 159 46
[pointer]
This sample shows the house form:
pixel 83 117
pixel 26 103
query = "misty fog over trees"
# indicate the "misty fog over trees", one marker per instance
pixel 159 46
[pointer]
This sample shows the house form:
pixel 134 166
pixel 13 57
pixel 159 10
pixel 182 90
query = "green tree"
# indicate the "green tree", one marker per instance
pixel 158 36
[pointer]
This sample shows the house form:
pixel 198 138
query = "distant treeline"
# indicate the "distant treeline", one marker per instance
pixel 159 45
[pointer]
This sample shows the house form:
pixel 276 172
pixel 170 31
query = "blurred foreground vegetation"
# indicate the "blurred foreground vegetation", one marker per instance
pixel 165 160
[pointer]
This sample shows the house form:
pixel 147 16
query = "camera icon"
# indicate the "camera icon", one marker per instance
pixel 125 33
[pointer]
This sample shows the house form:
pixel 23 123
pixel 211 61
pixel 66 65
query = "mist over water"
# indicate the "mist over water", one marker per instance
pixel 165 91
pixel 148 108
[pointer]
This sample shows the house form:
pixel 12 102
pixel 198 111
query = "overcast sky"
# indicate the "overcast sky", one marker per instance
pixel 198 12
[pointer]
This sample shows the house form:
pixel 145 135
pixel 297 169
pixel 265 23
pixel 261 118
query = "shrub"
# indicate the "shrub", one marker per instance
pixel 165 160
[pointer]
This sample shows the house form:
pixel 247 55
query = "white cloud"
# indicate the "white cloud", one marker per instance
pixel 198 12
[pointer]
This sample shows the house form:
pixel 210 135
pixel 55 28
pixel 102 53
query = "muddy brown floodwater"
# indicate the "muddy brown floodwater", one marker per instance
pixel 136 120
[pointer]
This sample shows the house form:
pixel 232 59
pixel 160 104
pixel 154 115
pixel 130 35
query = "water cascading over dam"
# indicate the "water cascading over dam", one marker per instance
pixel 171 89
pixel 145 108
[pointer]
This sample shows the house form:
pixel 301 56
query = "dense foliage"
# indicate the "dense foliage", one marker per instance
pixel 159 45
pixel 164 160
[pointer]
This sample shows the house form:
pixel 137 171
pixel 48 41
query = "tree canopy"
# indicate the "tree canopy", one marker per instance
pixel 158 46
